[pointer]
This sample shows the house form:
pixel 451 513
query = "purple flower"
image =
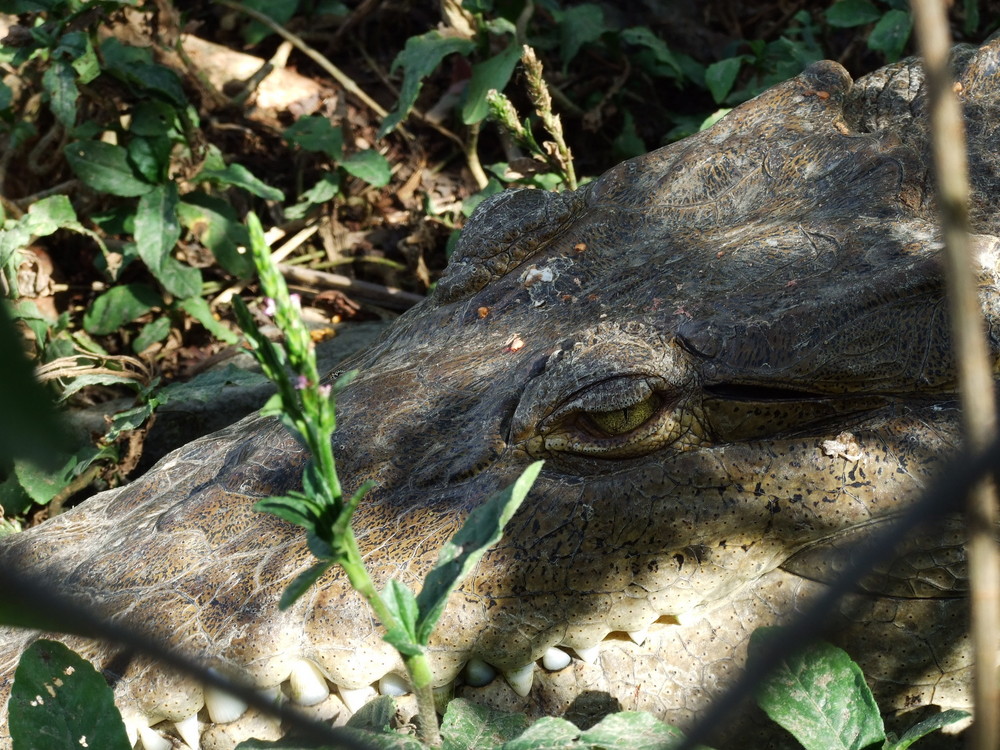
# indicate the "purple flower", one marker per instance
pixel 296 300
pixel 269 307
pixel 301 382
pixel 324 390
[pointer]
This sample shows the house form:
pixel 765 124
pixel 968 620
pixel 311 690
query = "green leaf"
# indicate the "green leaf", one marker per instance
pixel 118 306
pixel 641 36
pixel 290 508
pixel 134 65
pixel 198 309
pixel 42 485
pixel 217 227
pixel 150 157
pixel 152 118
pixel 548 733
pixel 316 133
pixel 59 82
pixel 419 59
pixel 400 601
pixel 820 696
pixel 375 716
pixel 157 228
pixel 578 25
pixel 302 583
pixel 84 58
pixel 720 77
pixel 50 214
pixel 631 730
pixel 891 34
pixel 846 14
pixel 58 699
pixel 241 177
pixel 151 333
pixel 925 727
pixel 105 168
pixel 370 166
pixel 481 530
pixel 489 74
pixel 467 725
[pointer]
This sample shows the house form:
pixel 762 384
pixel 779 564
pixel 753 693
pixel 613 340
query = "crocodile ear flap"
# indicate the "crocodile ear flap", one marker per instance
pixel 503 232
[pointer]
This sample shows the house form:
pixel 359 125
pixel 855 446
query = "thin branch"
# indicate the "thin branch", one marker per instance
pixel 386 296
pixel 972 354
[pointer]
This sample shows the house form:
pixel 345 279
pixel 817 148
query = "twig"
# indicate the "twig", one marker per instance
pixel 972 355
pixel 386 296
pixel 336 73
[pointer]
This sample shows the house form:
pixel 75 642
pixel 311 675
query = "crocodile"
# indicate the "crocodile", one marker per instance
pixel 733 354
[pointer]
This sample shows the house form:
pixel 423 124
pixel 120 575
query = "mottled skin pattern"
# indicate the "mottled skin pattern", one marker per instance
pixel 679 340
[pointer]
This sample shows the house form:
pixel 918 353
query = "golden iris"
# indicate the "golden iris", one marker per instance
pixel 622 421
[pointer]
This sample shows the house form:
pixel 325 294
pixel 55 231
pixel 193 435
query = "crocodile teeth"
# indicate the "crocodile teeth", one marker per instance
pixel 555 659
pixel 153 740
pixel 478 673
pixel 189 731
pixel 588 654
pixel 307 684
pixel 638 636
pixel 355 699
pixel 223 707
pixel 520 679
pixel 394 685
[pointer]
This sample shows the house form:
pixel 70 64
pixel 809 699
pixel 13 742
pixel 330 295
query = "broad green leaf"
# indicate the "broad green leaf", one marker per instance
pixel 134 65
pixel 179 279
pixel 44 484
pixel 375 716
pixel 198 309
pixel 50 214
pixel 241 177
pixel 84 58
pixel 151 157
pixel 370 166
pixel 157 228
pixel 578 25
pixel 151 333
pixel 481 530
pixel 316 133
pixel 720 77
pixel 820 696
pixel 60 701
pixel 302 583
pixel 59 82
pixel 153 118
pixel 105 168
pixel 118 306
pixel 489 74
pixel 846 14
pixel 326 189
pixel 385 741
pixel 419 59
pixel 891 34
pixel 217 227
pixel 467 725
pixel 280 12
pixel 548 733
pixel 925 727
pixel 631 730
pixel 641 36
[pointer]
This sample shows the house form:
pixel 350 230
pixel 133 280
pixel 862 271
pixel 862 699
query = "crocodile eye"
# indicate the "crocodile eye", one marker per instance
pixel 622 421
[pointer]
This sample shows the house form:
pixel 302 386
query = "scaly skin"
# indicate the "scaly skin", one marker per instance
pixel 681 340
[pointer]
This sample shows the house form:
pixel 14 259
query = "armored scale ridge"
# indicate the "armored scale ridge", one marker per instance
pixel 733 354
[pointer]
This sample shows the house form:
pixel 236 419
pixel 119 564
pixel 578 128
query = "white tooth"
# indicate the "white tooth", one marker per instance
pixel 132 724
pixel 272 694
pixel 394 685
pixel 189 732
pixel 638 636
pixel 479 673
pixel 520 679
pixel 588 654
pixel 555 659
pixel 308 685
pixel 223 707
pixel 355 699
pixel 153 740
pixel 688 618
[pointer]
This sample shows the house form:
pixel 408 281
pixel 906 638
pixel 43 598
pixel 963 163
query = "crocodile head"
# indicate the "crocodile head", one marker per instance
pixel 733 354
